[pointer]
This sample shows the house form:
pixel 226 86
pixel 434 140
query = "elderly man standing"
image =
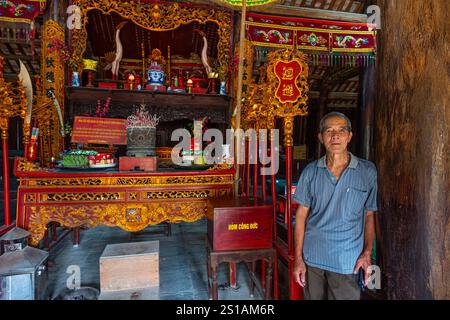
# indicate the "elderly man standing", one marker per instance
pixel 335 222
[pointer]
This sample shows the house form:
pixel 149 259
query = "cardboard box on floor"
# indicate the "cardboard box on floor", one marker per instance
pixel 130 271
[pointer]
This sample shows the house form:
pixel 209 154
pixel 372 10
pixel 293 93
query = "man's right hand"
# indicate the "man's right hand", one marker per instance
pixel 300 273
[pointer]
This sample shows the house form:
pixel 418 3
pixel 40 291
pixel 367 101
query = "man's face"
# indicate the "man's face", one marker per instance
pixel 335 136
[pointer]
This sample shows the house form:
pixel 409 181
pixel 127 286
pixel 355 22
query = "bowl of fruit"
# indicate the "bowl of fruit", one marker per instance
pixel 102 160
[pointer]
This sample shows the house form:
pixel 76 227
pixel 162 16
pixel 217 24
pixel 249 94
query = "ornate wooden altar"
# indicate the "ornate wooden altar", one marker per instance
pixel 129 200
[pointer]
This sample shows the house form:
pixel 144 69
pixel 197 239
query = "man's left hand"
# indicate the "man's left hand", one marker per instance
pixel 363 262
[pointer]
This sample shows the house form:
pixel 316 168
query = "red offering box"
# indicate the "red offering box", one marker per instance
pixel 199 90
pixel 239 224
pixel 107 85
pixel 142 163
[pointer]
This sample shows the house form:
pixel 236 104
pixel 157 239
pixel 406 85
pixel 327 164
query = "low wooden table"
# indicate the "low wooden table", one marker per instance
pixel 215 258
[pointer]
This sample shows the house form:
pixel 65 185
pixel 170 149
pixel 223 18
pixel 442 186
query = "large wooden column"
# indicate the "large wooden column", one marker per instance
pixel 367 104
pixel 412 119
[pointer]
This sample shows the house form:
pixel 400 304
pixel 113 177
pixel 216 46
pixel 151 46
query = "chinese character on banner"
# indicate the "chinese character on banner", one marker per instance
pixel 287 74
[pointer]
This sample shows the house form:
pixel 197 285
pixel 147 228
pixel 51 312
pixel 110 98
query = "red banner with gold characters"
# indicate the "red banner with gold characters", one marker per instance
pixel 20 11
pixel 288 74
pixel 99 131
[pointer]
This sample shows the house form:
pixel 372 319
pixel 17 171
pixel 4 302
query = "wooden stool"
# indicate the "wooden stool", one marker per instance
pixel 215 258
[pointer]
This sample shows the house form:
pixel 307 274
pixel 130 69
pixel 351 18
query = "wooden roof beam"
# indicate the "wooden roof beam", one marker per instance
pixel 342 106
pixel 295 10
pixel 278 9
pixel 16 57
pixel 335 95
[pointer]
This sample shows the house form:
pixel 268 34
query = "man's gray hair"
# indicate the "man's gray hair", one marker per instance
pixel 335 114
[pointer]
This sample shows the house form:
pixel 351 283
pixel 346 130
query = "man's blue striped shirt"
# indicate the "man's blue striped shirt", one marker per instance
pixel 334 233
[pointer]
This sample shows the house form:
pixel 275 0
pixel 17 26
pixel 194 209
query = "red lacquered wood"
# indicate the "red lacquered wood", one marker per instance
pixel 49 146
pixel 255 172
pixel 274 197
pixel 41 151
pixel 247 169
pixel 6 204
pixel 33 187
pixel 244 166
pixel 233 275
pixel 295 291
pixel 276 294
pixel 263 273
pixel 49 173
pixel 263 182
pixel 288 212
pixel 242 175
pixel 147 164
pixel 241 213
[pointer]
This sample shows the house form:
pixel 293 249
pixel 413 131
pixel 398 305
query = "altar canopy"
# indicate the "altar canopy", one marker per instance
pixel 327 42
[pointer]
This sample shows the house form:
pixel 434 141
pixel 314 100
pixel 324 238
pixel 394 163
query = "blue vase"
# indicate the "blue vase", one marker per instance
pixel 75 79
pixel 156 77
pixel 223 89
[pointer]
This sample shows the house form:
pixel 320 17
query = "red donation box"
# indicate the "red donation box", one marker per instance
pixel 239 224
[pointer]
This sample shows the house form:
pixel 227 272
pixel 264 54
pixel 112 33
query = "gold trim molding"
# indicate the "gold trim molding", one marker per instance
pixel 117 182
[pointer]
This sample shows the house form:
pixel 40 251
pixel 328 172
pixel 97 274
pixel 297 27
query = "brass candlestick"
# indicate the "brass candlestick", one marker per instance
pixel 90 66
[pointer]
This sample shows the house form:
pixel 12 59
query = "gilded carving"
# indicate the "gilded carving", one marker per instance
pixel 221 166
pixel 179 194
pixel 66 182
pixel 30 198
pixel 156 17
pixel 300 107
pixel 174 180
pixel 130 217
pixel 153 181
pixel 27 166
pixel 13 102
pixel 52 75
pixel 288 111
pixel 133 196
pixel 288 131
pixel 83 196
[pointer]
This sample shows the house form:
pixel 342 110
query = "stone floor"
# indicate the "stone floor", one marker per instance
pixel 182 262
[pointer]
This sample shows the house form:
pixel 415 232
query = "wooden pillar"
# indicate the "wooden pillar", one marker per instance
pixel 322 103
pixel 5 161
pixel 412 118
pixel 367 104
